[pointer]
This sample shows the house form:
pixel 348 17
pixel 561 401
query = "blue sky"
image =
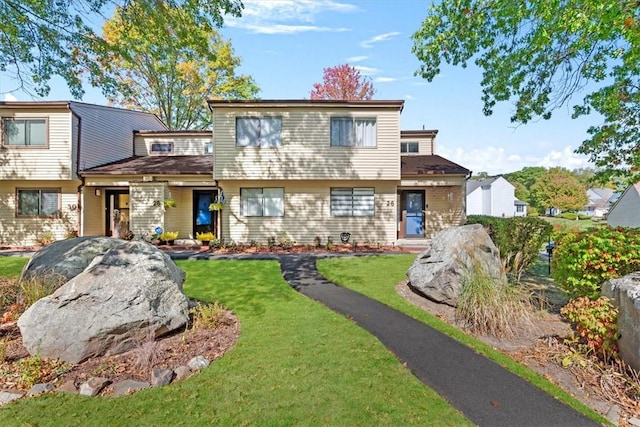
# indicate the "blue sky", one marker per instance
pixel 285 44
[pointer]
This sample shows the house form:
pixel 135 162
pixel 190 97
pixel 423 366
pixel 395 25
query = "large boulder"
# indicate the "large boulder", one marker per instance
pixel 131 290
pixel 625 291
pixel 455 252
pixel 65 259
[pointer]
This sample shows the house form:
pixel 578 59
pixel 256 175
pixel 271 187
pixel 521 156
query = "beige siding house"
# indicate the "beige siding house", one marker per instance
pixel 43 147
pixel 319 169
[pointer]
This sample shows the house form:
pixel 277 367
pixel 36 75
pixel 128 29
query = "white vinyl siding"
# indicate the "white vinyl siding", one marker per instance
pixel 24 132
pixel 306 152
pixel 624 213
pixel 353 132
pixel 182 144
pixel 258 131
pixel 352 202
pixel 262 201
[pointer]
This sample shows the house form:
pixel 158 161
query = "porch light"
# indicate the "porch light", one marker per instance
pixel 98 192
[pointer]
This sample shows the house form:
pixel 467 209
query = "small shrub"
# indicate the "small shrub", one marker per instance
pixel 31 370
pixel 596 323
pixel 167 236
pixel 491 308
pixel 271 242
pixel 285 241
pixel 9 291
pixel 317 241
pixel 35 288
pixel 45 238
pixel 205 237
pixel 329 243
pixel 583 261
pixel 147 352
pixel 209 316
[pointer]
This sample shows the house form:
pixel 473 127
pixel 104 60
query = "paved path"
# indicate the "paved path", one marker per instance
pixel 483 391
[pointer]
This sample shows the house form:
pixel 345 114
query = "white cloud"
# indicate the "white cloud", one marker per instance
pixel 409 97
pixel 497 160
pixel 384 79
pixel 378 38
pixel 366 71
pixel 357 58
pixel 10 97
pixel 287 16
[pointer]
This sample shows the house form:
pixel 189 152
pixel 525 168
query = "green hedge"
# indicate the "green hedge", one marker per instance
pixel 583 261
pixel 571 215
pixel 512 236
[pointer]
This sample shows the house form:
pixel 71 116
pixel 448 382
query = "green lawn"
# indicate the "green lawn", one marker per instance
pixel 376 278
pixel 572 224
pixel 296 363
pixel 11 266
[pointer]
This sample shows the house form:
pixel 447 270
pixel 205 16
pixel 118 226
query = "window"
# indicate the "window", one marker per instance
pixel 352 201
pixel 258 131
pixel 162 147
pixel 262 201
pixel 24 132
pixel 208 148
pixel 408 147
pixel 38 202
pixel 520 208
pixel 353 132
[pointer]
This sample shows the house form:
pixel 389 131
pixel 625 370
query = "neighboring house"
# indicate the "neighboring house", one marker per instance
pixel 600 200
pixel 307 168
pixel 625 212
pixel 43 148
pixel 493 197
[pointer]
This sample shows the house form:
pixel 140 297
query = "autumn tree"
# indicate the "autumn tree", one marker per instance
pixel 539 54
pixel 42 38
pixel 558 189
pixel 343 82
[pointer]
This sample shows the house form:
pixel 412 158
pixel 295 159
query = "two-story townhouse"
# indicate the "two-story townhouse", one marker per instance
pixel 44 146
pixel 318 169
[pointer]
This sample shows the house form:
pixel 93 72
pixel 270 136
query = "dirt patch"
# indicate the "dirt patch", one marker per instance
pixel 538 347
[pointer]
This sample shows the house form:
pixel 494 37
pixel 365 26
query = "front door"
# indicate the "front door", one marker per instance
pixel 414 213
pixel 204 220
pixel 116 212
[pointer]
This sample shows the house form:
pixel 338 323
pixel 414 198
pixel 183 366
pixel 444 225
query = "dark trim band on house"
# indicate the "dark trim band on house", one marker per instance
pixel 303 103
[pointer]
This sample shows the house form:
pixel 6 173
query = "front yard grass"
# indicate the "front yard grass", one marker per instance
pixel 296 363
pixel 376 278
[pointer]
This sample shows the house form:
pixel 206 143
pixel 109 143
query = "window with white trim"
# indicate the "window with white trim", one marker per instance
pixel 353 132
pixel 24 132
pixel 352 202
pixel 409 147
pixel 258 131
pixel 208 148
pixel 262 201
pixel 161 147
pixel 38 202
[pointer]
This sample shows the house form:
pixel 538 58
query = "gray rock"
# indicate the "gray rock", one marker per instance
pixel 68 386
pixel 455 252
pixel 40 388
pixel 94 386
pixel 625 291
pixel 197 363
pixel 182 372
pixel 161 376
pixel 10 395
pixel 67 258
pixel 128 387
pixel 110 307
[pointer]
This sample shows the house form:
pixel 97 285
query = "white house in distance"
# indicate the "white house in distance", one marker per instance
pixel 626 211
pixel 599 201
pixel 493 197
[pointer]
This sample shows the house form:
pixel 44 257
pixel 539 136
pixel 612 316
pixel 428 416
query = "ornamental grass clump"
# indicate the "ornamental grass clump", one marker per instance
pixel 492 308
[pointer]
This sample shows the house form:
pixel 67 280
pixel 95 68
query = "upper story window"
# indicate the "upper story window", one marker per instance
pixel 208 148
pixel 258 131
pixel 38 202
pixel 353 132
pixel 409 147
pixel 161 147
pixel 24 132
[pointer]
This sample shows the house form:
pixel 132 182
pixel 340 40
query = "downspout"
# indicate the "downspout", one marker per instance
pixel 81 186
pixel 215 181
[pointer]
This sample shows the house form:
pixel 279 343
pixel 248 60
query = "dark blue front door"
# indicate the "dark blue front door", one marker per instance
pixel 414 217
pixel 204 220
